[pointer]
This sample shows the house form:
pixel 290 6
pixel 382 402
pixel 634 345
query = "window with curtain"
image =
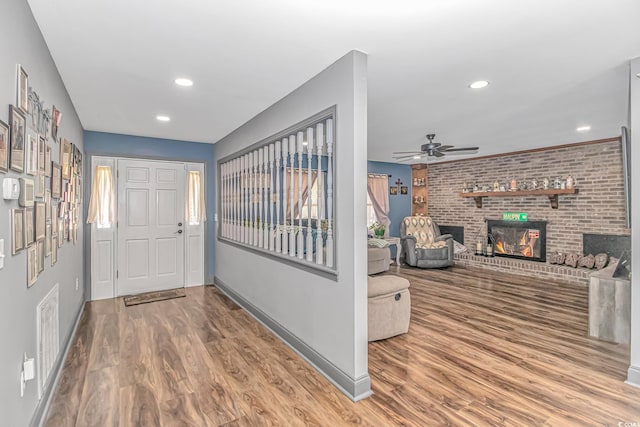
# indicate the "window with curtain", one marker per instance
pixel 196 210
pixel 102 202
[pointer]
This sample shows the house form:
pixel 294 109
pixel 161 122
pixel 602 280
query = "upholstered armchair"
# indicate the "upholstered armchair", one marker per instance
pixel 422 244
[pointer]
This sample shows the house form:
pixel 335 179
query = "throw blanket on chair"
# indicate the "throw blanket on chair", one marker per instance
pixel 423 230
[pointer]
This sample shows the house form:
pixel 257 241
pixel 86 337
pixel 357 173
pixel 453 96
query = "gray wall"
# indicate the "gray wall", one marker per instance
pixel 327 315
pixel 23 44
pixel 634 369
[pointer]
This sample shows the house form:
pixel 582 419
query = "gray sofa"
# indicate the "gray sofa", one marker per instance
pixel 422 244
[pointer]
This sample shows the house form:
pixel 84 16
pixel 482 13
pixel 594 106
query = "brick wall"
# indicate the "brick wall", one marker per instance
pixel 597 208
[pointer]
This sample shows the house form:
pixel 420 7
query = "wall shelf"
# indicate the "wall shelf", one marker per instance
pixel 552 194
pixel 419 189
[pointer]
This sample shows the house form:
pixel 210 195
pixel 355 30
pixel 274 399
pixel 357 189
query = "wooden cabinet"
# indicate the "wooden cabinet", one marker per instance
pixel 419 189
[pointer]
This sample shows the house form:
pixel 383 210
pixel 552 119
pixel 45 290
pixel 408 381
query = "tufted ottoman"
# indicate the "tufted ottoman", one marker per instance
pixel 389 308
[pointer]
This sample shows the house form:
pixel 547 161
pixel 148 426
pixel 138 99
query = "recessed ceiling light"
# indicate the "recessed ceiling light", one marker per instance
pixel 638 75
pixel 479 84
pixel 416 157
pixel 181 81
pixel 163 118
pixel 583 128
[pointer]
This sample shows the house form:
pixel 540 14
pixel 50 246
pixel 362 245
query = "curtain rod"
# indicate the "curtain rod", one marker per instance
pixel 380 175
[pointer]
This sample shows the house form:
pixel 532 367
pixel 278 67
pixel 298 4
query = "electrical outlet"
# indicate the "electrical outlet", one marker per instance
pixel 77 283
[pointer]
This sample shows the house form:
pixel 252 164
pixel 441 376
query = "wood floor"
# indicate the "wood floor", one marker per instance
pixel 480 351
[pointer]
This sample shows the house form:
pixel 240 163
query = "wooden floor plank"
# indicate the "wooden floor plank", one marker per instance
pixel 482 349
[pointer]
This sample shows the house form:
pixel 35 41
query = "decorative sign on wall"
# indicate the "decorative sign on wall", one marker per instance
pixel 515 216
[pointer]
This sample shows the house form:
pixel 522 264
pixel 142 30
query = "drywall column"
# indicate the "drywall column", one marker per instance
pixel 633 376
pixel 324 318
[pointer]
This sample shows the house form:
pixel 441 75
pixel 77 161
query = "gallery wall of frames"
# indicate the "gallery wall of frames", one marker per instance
pixel 48 187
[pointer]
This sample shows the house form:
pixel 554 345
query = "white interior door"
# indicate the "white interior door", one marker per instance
pixel 151 216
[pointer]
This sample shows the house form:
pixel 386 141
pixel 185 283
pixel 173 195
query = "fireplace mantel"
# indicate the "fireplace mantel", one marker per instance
pixel 552 194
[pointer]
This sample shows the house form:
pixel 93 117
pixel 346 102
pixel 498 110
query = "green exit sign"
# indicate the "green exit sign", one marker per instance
pixel 515 216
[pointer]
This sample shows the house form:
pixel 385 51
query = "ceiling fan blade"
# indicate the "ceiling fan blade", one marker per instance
pixel 407 157
pixel 444 147
pixel 448 150
pixel 438 153
pixel 407 152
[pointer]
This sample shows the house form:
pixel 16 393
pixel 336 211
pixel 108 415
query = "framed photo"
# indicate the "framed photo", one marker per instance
pixel 404 189
pixel 41 157
pixel 40 188
pixel 54 249
pixel 56 180
pixel 60 233
pixel 47 205
pixel 47 160
pixel 22 98
pixel 47 240
pixel 32 154
pixel 56 116
pixel 41 250
pixel 17 230
pixel 27 192
pixel 18 134
pixel 393 190
pixel 4 147
pixel 66 151
pixel 40 223
pixel 32 265
pixel 29 232
pixel 54 217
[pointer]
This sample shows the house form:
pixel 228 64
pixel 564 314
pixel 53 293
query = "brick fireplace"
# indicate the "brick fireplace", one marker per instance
pixel 526 240
pixel 598 207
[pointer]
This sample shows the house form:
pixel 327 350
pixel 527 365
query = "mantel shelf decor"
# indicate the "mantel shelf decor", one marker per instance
pixel 551 193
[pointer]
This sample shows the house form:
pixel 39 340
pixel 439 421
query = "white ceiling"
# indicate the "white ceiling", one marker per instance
pixel 553 65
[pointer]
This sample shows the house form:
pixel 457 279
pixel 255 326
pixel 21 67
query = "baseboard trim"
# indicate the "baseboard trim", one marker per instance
pixel 43 406
pixel 355 389
pixel 633 376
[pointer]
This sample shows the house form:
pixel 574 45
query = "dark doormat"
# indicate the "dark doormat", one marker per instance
pixel 154 296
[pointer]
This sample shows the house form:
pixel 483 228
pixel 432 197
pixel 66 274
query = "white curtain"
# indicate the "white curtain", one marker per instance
pixel 102 203
pixel 196 208
pixel 378 189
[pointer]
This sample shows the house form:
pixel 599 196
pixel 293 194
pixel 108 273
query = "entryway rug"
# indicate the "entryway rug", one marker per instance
pixel 154 296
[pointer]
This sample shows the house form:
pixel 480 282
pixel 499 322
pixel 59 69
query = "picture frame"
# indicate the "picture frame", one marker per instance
pixel 66 151
pixel 60 233
pixel 40 256
pixel 32 265
pixel 47 160
pixel 53 216
pixel 17 231
pixel 27 192
pixel 40 223
pixel 32 154
pixel 22 95
pixel 41 155
pixel 29 232
pixel 404 189
pixel 47 240
pixel 54 249
pixel 56 180
pixel 4 147
pixel 40 187
pixel 47 205
pixel 56 117
pixel 17 137
pixel 393 190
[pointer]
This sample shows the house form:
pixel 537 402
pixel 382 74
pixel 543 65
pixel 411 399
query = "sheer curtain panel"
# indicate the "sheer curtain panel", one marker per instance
pixel 196 211
pixel 378 189
pixel 102 203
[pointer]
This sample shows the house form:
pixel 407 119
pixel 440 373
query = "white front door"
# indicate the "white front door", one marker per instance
pixel 151 217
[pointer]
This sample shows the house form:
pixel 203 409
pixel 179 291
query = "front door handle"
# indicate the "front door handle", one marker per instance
pixel 179 231
pixel 179 224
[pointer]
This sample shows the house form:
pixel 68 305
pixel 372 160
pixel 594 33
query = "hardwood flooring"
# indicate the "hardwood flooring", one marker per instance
pixel 481 350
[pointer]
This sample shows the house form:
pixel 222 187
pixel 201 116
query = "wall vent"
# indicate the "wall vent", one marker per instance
pixel 48 337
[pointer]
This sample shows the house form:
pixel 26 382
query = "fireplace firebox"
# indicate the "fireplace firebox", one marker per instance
pixel 519 239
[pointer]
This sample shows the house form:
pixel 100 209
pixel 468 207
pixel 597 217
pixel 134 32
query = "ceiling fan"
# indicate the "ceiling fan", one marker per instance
pixel 432 149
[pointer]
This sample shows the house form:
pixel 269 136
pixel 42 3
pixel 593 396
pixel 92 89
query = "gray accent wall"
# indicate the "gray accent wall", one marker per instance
pixel 634 368
pixel 328 315
pixel 24 44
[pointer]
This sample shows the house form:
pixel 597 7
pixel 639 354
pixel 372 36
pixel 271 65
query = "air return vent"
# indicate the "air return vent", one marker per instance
pixel 48 337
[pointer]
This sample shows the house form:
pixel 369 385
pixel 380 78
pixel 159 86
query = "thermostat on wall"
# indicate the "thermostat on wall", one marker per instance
pixel 10 189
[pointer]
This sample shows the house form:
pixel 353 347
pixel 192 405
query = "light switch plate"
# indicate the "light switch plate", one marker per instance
pixel 10 189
